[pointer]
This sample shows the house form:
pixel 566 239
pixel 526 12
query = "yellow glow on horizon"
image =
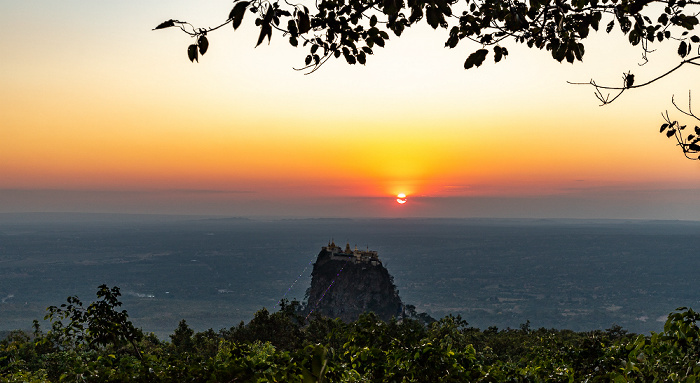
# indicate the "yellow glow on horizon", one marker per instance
pixel 127 115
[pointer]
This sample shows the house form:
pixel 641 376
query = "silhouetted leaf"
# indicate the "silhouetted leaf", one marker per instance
pixel 670 132
pixel 390 7
pixel 165 24
pixel 432 17
pixel 579 51
pixel 476 59
pixel 629 80
pixel 560 53
pixel 265 31
pixel 238 12
pixel 625 24
pixel 663 127
pixel 595 21
pixel 203 44
pixel 697 130
pixel 497 53
pixel 610 26
pixel 683 49
pixel 303 21
pixel 634 37
pixel 416 14
pixel 269 16
pixel 688 22
pixel 453 39
pixel 292 28
pixel 192 52
pixel 569 56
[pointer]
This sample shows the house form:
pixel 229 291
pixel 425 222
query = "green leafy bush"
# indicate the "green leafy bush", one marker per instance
pixel 97 343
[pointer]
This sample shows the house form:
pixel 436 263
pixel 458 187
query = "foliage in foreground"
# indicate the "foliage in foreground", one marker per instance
pixel 98 343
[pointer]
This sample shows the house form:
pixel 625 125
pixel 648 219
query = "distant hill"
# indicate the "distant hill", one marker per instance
pixel 107 218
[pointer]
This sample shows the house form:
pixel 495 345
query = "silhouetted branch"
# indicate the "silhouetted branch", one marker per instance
pixel 628 82
pixel 690 110
pixel 690 144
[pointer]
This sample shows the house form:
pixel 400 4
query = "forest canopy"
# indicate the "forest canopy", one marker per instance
pixel 98 343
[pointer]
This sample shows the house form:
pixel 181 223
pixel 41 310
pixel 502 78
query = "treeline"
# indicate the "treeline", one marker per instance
pixel 98 343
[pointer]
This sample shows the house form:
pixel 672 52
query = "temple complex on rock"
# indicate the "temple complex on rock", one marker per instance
pixel 355 255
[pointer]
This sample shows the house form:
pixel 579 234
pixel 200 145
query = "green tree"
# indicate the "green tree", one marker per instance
pixel 670 356
pixel 367 350
pixel 99 324
pixel 282 328
pixel 181 338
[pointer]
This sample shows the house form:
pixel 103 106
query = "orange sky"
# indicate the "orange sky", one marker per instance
pixel 98 108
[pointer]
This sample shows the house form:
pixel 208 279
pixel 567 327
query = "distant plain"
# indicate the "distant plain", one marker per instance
pixel 215 272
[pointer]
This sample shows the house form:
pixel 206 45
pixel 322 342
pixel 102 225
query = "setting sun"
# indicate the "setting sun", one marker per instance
pixel 126 142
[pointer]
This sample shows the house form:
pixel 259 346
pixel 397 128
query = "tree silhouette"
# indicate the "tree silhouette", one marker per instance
pixel 354 28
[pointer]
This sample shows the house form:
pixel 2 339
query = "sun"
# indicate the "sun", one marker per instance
pixel 401 198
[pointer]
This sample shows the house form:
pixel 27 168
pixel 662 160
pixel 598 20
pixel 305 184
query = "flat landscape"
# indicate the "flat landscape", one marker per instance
pixel 216 272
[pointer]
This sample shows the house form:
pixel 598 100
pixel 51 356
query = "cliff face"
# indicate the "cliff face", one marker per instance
pixel 361 285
